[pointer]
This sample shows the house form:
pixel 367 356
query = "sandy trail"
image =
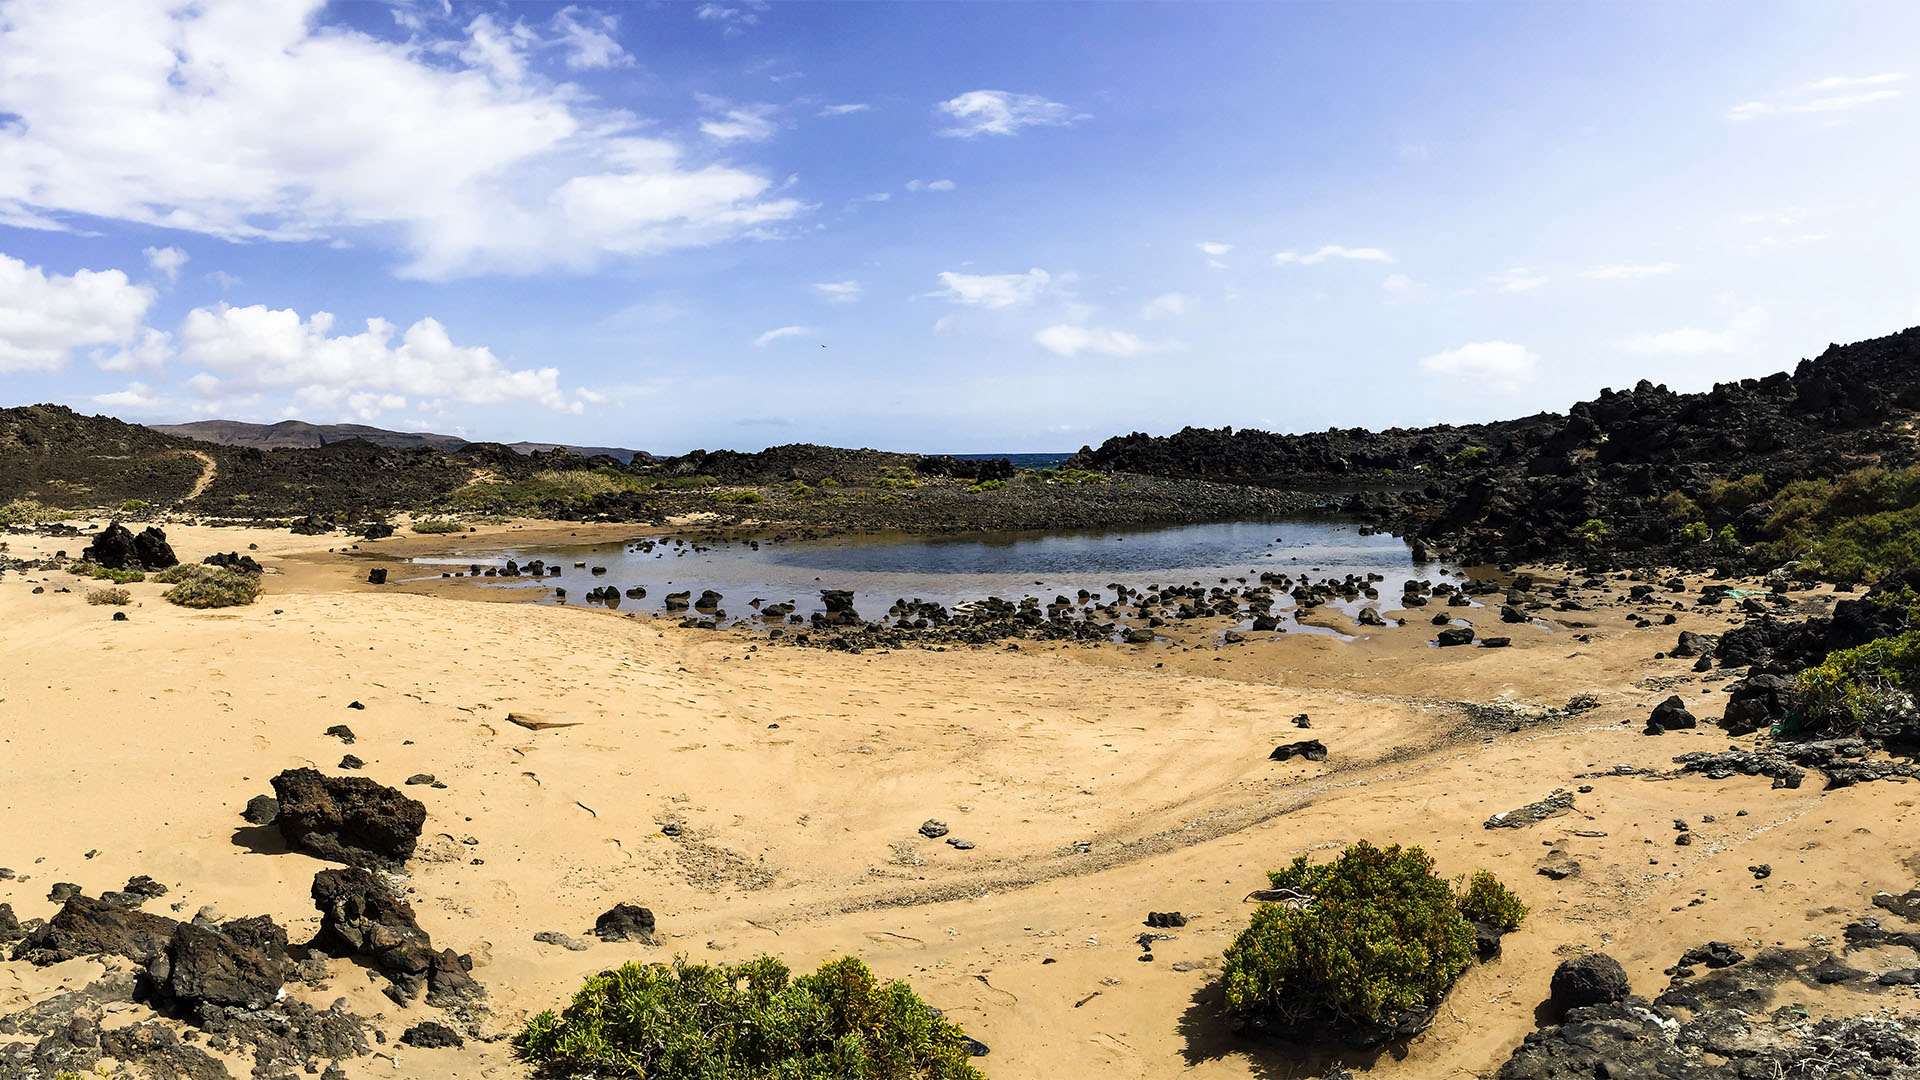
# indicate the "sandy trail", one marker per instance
pixel 1097 783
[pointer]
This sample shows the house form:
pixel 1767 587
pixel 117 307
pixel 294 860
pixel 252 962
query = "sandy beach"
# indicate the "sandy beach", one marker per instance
pixel 766 798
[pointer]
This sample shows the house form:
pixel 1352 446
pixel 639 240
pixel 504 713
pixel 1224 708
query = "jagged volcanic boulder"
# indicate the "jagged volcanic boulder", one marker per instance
pixel 233 560
pixel 86 926
pixel 625 922
pixel 360 917
pixel 348 819
pixel 119 549
pixel 242 964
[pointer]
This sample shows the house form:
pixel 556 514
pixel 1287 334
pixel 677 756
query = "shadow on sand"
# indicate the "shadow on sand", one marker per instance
pixel 1204 1027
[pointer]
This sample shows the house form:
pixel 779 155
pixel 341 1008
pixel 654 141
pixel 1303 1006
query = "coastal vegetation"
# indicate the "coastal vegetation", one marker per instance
pixel 1371 935
pixel 114 596
pixel 436 526
pixel 745 1022
pixel 196 585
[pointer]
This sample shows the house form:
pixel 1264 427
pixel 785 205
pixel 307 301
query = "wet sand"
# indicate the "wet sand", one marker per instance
pixel 1097 784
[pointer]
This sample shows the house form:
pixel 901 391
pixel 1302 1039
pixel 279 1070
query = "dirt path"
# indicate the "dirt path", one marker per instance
pixel 207 474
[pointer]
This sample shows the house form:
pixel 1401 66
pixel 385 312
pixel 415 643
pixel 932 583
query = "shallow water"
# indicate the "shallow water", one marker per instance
pixel 955 569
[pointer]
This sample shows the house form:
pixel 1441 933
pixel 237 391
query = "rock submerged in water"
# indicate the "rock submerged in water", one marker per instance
pixel 349 819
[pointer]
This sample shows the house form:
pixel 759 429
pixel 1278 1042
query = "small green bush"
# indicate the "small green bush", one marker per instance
pixel 979 486
pixel 1733 496
pixel 105 573
pixel 135 506
pixel 1469 454
pixel 115 596
pixel 196 585
pixel 800 490
pixel 1855 687
pixel 1488 901
pixel 750 1021
pixel 1592 531
pixel 29 512
pixel 1696 532
pixel 1676 505
pixel 1382 936
pixel 436 526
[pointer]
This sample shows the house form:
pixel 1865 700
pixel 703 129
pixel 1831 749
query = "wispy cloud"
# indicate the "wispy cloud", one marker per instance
pixel 749 123
pixel 998 112
pixel 1740 333
pixel 1626 271
pixel 1214 248
pixel 587 39
pixel 840 292
pixel 772 336
pixel 1165 305
pixel 1861 90
pixel 993 290
pixel 1070 341
pixel 1517 279
pixel 1501 364
pixel 930 185
pixel 1331 251
pixel 844 110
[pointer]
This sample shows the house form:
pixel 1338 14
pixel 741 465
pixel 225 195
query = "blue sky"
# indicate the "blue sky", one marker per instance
pixel 935 226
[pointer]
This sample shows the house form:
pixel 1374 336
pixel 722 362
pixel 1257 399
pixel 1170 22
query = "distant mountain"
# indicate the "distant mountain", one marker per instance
pixel 300 435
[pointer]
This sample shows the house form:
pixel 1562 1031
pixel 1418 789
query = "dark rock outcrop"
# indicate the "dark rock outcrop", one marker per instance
pixel 119 549
pixel 242 964
pixel 361 917
pixel 349 819
pixel 625 922
pixel 1589 979
pixel 85 926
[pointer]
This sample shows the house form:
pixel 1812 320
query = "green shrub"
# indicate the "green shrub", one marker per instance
pixel 1855 687
pixel 1382 936
pixel 118 577
pixel 979 486
pixel 115 596
pixel 747 496
pixel 1592 531
pixel 1488 901
pixel 196 585
pixel 1696 532
pixel 800 490
pixel 749 1021
pixel 135 506
pixel 1469 454
pixel 29 512
pixel 1677 506
pixel 1733 496
pixel 436 526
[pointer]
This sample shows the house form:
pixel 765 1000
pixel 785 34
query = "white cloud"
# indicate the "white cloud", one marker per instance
pixel 44 317
pixel 223 279
pixel 201 117
pixel 587 38
pixel 1401 285
pixel 772 336
pixel 1741 332
pixel 844 110
pixel 1797 100
pixel 1167 304
pixel 997 112
pixel 257 348
pixel 137 395
pixel 166 260
pixel 993 290
pixel 1070 341
pixel 150 351
pixel 930 185
pixel 1623 271
pixel 878 196
pixel 840 292
pixel 1502 364
pixel 1331 251
pixel 1215 248
pixel 1517 279
pixel 730 17
pixel 752 123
